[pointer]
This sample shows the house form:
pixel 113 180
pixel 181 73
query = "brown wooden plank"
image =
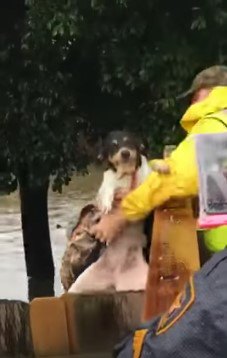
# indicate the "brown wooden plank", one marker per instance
pixel 96 322
pixel 174 256
pixel 174 253
pixel 92 355
pixel 49 327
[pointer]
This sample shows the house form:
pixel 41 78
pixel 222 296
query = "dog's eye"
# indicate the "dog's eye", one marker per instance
pixel 115 142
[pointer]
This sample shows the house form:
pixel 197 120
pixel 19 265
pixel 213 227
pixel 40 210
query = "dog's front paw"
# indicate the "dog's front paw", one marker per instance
pixel 106 208
pixel 105 202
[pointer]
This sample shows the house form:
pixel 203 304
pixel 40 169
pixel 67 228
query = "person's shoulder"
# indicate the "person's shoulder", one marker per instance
pixel 198 312
pixel 208 124
pixel 216 265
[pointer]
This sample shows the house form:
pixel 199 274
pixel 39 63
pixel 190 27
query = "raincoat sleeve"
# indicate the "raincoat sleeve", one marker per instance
pixel 181 182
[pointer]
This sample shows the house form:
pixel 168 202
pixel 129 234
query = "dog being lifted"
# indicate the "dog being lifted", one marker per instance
pixel 122 266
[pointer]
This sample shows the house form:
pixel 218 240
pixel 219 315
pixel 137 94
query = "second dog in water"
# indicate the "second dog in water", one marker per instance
pixel 122 266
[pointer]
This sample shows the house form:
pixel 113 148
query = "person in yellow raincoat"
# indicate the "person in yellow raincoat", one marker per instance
pixel 206 114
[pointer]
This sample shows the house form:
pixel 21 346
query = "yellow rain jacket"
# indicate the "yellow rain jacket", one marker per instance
pixel 207 116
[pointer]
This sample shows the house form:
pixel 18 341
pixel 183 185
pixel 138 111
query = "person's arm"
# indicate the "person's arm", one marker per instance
pixel 181 182
pixel 159 188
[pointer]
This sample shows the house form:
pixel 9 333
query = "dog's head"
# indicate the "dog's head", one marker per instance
pixel 82 249
pixel 89 216
pixel 122 151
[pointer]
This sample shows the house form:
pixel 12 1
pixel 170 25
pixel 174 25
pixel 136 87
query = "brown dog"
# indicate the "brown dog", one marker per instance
pixel 82 250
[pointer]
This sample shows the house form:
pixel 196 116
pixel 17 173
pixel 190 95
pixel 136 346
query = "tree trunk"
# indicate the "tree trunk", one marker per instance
pixel 36 238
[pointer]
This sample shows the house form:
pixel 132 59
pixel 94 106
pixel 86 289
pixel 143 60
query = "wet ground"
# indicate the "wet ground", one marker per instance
pixel 62 209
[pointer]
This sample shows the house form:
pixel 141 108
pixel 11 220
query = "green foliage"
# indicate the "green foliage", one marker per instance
pixel 149 51
pixel 40 123
pixel 72 66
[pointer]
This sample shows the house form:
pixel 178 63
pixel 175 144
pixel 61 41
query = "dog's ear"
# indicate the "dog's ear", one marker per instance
pixel 100 151
pixel 100 156
pixel 144 147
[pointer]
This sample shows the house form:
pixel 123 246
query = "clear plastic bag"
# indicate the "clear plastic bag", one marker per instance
pixel 211 153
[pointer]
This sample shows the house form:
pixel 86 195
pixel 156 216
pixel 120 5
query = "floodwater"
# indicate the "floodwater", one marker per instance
pixel 62 209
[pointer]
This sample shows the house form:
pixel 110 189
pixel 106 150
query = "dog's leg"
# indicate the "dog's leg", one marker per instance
pixel 105 195
pixel 95 278
pixel 105 200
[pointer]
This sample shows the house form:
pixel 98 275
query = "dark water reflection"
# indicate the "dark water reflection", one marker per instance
pixel 62 208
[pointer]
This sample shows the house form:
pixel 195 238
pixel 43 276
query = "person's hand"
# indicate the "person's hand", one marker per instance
pixel 108 227
pixel 119 194
pixel 160 166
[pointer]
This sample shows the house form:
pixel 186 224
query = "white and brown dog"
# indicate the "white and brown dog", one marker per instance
pixel 122 266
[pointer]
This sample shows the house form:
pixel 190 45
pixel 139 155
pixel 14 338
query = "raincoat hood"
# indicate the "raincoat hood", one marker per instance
pixel 214 102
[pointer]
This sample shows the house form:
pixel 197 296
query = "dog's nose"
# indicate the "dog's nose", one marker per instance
pixel 125 154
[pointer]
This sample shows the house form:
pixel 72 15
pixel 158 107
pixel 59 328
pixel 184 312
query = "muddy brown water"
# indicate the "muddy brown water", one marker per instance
pixel 62 209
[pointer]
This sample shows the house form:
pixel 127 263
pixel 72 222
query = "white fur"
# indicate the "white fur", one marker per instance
pixel 111 182
pixel 122 266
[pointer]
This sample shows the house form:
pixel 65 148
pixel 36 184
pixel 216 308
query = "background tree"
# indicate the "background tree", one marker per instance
pixel 149 51
pixel 40 125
